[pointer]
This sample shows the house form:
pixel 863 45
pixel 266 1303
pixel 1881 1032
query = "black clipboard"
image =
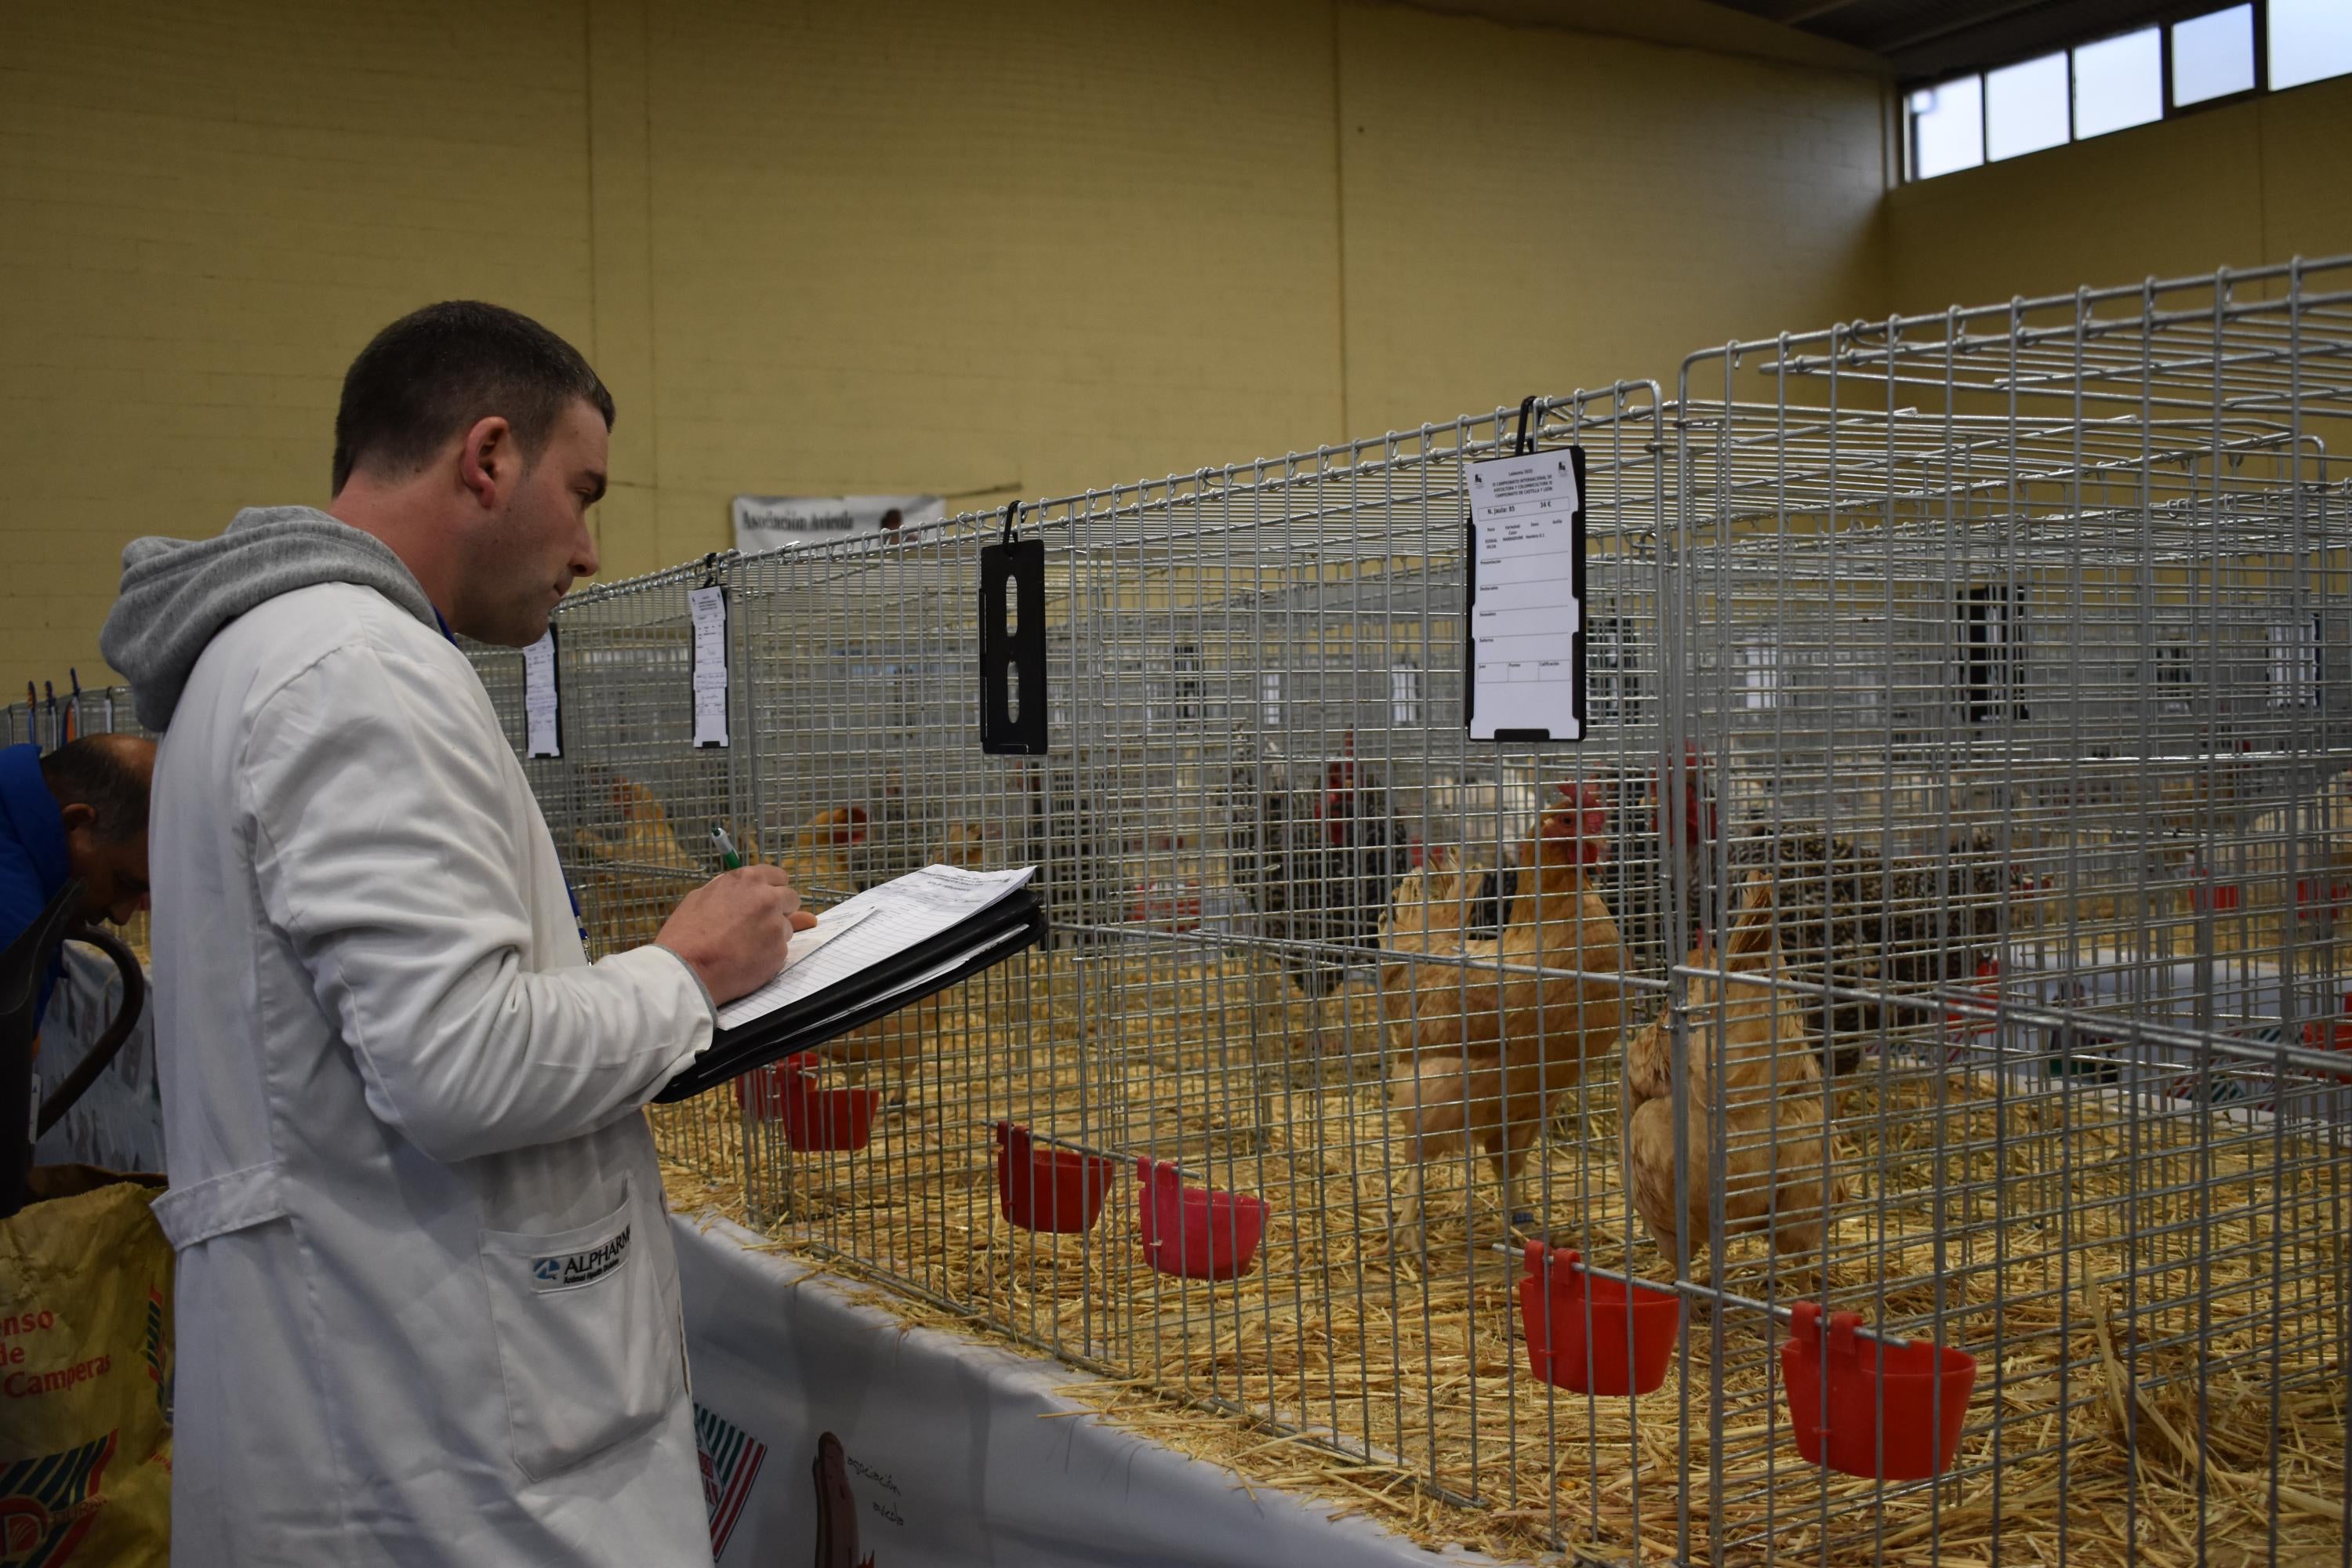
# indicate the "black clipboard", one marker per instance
pixel 1011 925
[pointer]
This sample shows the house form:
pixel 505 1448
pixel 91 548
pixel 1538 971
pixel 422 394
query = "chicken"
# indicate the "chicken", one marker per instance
pixel 1751 1059
pixel 630 879
pixel 843 847
pixel 1849 917
pixel 1479 1054
pixel 894 843
pixel 1316 863
pixel 1631 879
pixel 822 857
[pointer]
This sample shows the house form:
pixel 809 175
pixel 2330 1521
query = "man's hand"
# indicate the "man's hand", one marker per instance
pixel 733 930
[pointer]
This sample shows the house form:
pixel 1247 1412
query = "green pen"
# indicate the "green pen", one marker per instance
pixel 728 856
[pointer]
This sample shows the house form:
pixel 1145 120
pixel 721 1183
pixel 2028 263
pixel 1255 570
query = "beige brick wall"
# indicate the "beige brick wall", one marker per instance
pixel 905 245
pixel 204 211
pixel 1528 210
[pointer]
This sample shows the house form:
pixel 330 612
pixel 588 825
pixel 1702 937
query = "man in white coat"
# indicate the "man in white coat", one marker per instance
pixel 427 1309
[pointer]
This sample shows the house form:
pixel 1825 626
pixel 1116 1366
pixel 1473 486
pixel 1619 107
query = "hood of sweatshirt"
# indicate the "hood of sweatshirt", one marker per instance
pixel 177 593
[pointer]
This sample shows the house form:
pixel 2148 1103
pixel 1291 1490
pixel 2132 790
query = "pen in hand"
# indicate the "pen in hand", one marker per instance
pixel 727 854
pixel 732 860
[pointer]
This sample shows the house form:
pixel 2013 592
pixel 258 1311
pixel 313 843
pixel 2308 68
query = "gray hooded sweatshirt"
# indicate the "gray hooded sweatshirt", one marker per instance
pixel 177 593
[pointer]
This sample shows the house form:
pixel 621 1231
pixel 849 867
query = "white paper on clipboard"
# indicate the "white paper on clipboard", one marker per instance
pixel 878 924
pixel 1525 611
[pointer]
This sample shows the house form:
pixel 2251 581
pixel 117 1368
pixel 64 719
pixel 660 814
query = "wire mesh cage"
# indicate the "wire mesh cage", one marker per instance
pixel 2016 663
pixel 1935 924
pixel 49 721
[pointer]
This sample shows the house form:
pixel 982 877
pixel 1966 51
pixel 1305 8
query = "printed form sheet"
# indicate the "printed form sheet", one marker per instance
pixel 1525 612
pixel 873 927
pixel 709 610
pixel 541 737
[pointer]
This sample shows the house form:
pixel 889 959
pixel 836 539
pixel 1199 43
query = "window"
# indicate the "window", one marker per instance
pixel 2118 83
pixel 2213 56
pixel 2309 40
pixel 1947 128
pixel 2025 108
pixel 2106 85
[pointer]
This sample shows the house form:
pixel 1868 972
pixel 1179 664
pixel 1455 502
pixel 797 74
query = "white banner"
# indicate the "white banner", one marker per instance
pixel 763 523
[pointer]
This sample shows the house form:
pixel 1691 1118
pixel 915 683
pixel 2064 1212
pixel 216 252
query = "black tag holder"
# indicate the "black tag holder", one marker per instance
pixel 1012 656
pixel 1524 444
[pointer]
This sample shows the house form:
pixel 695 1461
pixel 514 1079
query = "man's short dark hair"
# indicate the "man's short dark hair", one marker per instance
pixel 95 772
pixel 431 374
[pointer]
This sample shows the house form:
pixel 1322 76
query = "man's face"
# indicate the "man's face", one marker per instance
pixel 113 872
pixel 523 557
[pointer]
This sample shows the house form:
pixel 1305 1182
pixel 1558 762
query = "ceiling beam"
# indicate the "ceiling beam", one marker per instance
pixel 1689 24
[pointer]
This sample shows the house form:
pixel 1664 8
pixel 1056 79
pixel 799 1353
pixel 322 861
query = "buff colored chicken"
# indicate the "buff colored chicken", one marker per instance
pixel 835 849
pixel 1752 1058
pixel 1484 1054
pixel 824 851
pixel 631 878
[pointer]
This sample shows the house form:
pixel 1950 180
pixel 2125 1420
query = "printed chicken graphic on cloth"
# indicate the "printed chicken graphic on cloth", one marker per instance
pixel 836 1507
pixel 1754 1083
pixel 1480 1048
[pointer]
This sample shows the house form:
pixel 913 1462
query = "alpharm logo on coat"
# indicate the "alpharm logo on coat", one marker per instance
pixel 562 1271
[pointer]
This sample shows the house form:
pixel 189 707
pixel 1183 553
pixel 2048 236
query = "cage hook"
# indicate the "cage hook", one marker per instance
pixel 711 570
pixel 1523 445
pixel 1011 515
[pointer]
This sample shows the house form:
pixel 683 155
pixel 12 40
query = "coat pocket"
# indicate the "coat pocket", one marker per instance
pixel 588 1341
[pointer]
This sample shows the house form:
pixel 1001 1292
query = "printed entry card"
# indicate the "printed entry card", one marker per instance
pixel 1527 597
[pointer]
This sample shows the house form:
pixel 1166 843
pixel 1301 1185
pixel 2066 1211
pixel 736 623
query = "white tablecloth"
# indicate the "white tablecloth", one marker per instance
pixel 946 1458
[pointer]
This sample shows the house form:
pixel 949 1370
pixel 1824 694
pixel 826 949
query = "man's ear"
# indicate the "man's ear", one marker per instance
pixel 488 462
pixel 79 815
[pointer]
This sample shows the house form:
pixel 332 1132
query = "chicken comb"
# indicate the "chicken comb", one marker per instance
pixel 1585 823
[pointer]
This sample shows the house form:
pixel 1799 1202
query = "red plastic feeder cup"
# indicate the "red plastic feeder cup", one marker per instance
pixel 1885 1412
pixel 1593 1334
pixel 1043 1188
pixel 1196 1232
pixel 814 1119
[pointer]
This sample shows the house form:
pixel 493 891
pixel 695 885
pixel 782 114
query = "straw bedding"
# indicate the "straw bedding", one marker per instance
pixel 1393 1382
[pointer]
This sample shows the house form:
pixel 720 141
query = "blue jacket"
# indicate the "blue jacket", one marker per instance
pixel 32 850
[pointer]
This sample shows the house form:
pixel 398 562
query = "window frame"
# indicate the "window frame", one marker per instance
pixel 2261 18
pixel 2163 21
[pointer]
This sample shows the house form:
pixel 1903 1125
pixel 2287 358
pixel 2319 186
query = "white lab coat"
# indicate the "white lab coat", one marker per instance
pixel 427 1308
